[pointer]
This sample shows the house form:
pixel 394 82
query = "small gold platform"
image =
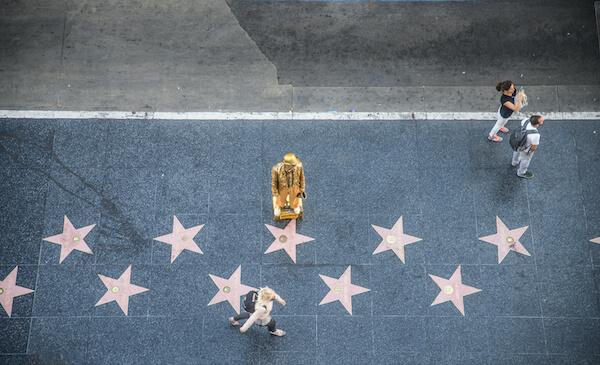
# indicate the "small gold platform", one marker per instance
pixel 287 212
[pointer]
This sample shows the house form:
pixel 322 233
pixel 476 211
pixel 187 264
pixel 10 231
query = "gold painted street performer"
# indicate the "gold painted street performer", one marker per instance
pixel 287 178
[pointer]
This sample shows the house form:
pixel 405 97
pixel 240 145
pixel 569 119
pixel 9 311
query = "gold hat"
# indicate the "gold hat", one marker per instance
pixel 290 159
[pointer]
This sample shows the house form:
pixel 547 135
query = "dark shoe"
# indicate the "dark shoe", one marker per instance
pixel 526 175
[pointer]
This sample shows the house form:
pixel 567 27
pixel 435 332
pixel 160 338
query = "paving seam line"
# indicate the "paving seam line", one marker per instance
pixel 424 116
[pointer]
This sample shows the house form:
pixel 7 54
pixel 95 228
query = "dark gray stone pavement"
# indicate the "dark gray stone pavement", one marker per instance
pixel 129 178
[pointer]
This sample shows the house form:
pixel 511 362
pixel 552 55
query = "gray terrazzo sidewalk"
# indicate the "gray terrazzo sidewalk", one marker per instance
pixel 125 181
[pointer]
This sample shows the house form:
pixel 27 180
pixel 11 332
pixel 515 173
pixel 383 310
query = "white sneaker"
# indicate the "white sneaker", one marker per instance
pixel 297 210
pixel 277 211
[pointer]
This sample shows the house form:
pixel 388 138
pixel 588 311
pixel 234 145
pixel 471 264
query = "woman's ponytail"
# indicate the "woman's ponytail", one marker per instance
pixel 504 85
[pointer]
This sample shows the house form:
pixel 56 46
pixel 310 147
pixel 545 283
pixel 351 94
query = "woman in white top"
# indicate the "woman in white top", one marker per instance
pixel 262 312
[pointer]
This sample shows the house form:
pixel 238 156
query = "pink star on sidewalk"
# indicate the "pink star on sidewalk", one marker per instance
pixel 286 239
pixel 595 240
pixel 342 289
pixel 181 239
pixel 453 290
pixel 71 239
pixel 394 239
pixel 230 289
pixel 120 290
pixel 9 290
pixel 506 240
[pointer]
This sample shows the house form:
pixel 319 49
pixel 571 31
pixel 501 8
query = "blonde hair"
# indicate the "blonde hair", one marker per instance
pixel 265 295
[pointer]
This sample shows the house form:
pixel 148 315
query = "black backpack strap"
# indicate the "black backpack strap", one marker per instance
pixel 529 131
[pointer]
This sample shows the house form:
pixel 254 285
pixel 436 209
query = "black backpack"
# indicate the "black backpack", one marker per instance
pixel 250 300
pixel 518 138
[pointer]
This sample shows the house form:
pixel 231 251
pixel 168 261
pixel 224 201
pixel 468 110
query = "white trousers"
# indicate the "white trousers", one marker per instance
pixel 523 159
pixel 499 124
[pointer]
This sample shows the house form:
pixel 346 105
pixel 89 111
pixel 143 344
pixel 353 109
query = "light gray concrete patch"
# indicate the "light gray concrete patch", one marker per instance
pixel 487 99
pixel 138 56
pixel 223 90
pixel 168 56
pixel 460 99
pixel 540 98
pixel 579 98
pixel 360 99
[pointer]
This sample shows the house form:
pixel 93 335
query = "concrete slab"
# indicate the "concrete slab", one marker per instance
pixel 189 56
pixel 542 99
pixel 31 34
pixel 597 7
pixel 416 43
pixel 370 99
pixel 178 55
pixel 168 56
pixel 577 98
pixel 456 99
